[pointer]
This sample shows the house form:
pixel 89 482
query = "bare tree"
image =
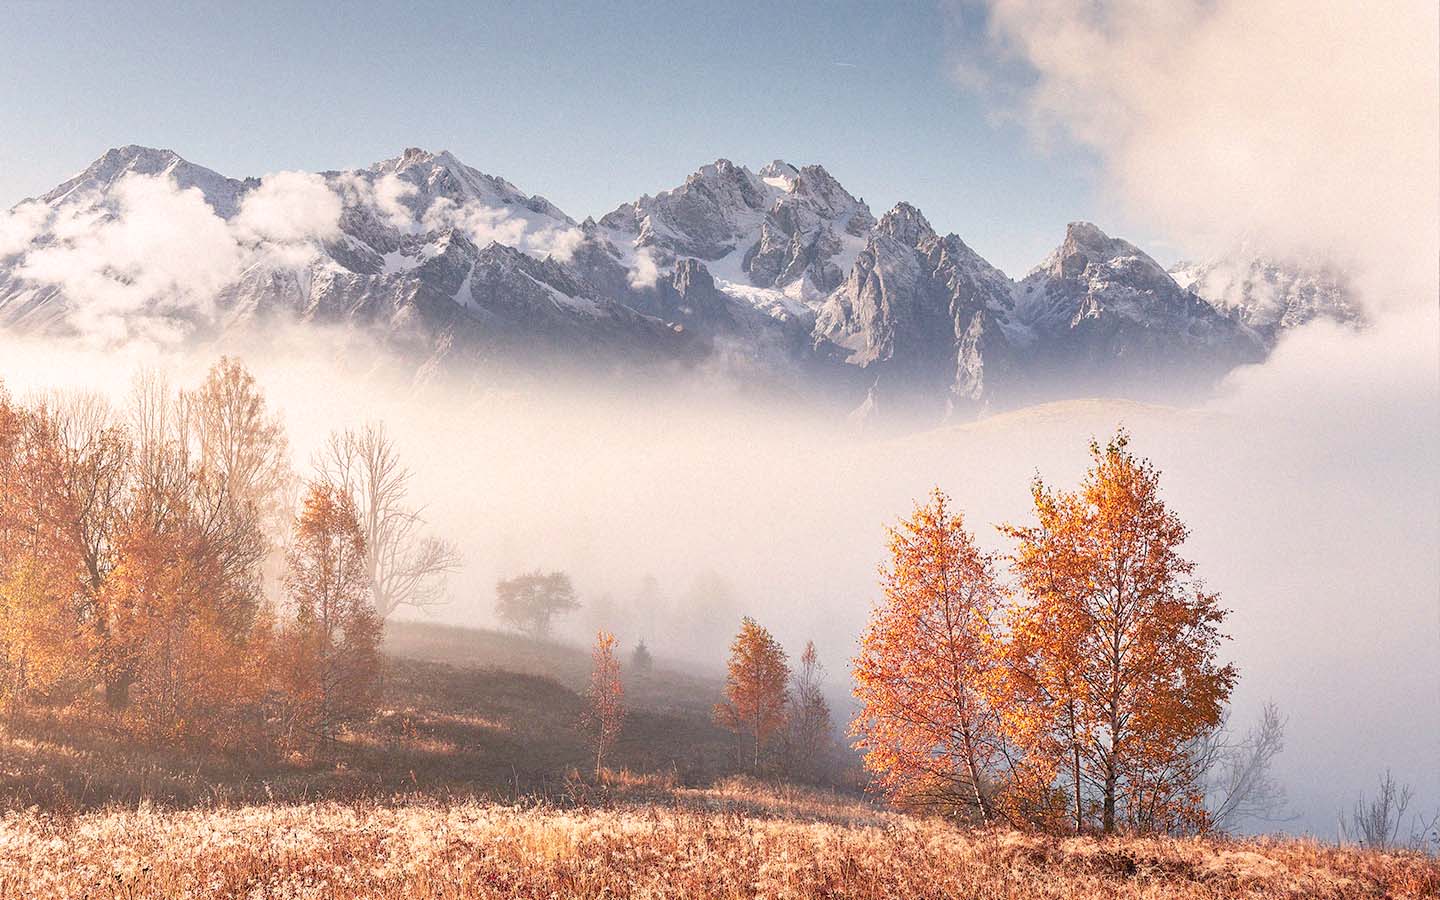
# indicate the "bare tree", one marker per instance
pixel 1238 775
pixel 242 444
pixel 96 453
pixel 1376 823
pixel 808 739
pixel 242 485
pixel 605 710
pixel 1427 834
pixel 406 566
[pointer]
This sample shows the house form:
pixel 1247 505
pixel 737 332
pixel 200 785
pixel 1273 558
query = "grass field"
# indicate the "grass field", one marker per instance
pixel 731 841
pixel 467 785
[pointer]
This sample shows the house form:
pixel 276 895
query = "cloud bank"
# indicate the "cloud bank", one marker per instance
pixel 1308 127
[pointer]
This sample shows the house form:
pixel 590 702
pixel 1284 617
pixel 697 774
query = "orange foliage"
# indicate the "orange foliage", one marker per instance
pixel 926 669
pixel 756 686
pixel 1115 648
pixel 132 553
pixel 605 712
pixel 333 639
pixel 44 644
pixel 1084 697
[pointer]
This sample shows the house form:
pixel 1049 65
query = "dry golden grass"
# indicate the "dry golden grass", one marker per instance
pixel 421 803
pixel 703 844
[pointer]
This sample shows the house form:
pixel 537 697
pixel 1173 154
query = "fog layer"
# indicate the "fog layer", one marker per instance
pixel 1309 483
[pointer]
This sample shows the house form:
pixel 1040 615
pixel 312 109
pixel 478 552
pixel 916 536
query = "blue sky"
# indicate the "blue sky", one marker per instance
pixel 589 104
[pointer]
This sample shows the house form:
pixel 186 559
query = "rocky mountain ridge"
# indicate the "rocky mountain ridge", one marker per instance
pixel 779 276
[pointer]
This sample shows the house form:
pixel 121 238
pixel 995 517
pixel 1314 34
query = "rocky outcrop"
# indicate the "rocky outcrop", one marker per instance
pixel 924 313
pixel 1103 317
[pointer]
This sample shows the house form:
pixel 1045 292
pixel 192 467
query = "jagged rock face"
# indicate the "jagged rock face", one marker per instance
pixel 402 260
pixel 1271 296
pixel 778 276
pixel 706 217
pixel 924 313
pixel 1103 315
pixel 689 295
pixel 802 237
pixel 777 228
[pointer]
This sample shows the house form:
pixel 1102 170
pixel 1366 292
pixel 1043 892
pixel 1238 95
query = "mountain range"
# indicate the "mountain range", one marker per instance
pixel 778 277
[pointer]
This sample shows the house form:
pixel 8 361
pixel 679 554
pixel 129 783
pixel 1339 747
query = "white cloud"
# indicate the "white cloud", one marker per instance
pixel 559 242
pixel 385 194
pixel 161 250
pixel 483 224
pixel 390 193
pixel 645 273
pixel 150 261
pixel 21 225
pixel 1307 127
pixel 289 207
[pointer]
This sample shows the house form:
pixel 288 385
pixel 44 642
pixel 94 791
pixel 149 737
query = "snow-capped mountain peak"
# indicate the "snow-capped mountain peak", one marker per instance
pixel 783 268
pixel 906 224
pixel 105 173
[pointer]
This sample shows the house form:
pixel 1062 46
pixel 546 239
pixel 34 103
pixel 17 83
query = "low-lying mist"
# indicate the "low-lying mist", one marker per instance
pixel 1309 483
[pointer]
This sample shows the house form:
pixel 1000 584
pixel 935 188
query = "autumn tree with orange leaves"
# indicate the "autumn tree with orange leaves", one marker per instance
pixel 137 544
pixel 1082 697
pixel 1113 651
pixel 333 638
pixel 756 686
pixel 45 644
pixel 927 670
pixel 605 700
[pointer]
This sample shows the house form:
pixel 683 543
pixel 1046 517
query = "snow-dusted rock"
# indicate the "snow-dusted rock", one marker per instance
pixel 1270 295
pixel 1103 317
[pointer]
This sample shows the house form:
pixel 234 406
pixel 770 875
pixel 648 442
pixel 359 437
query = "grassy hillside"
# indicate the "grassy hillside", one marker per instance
pixel 466 785
pixel 464 713
pixel 669 686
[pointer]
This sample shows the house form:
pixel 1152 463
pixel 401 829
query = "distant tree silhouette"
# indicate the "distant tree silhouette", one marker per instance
pixel 808 737
pixel 531 601
pixel 641 659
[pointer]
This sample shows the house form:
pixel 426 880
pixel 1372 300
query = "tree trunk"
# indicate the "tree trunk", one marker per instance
pixel 974 771
pixel 1079 811
pixel 979 795
pixel 1108 822
pixel 1075 749
pixel 117 690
